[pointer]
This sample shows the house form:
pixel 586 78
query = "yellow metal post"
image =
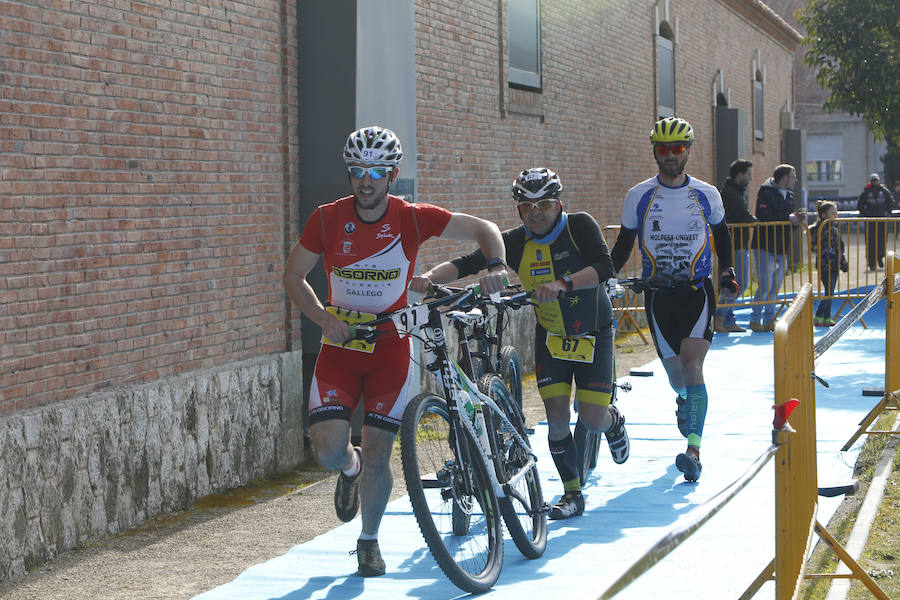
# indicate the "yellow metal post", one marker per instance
pixel 891 326
pixel 891 398
pixel 795 463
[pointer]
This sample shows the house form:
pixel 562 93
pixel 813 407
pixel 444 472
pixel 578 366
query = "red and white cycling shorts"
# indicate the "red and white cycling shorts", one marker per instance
pixel 381 379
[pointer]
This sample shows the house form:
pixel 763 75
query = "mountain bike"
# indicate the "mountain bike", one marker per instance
pixel 466 460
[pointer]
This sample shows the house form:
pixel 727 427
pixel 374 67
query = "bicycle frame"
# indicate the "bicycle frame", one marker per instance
pixel 493 337
pixel 456 388
pixel 455 385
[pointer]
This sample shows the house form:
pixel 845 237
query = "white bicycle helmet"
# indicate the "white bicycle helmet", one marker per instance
pixel 373 145
pixel 535 184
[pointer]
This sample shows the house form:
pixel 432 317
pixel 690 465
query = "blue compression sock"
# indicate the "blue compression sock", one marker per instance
pixel 695 407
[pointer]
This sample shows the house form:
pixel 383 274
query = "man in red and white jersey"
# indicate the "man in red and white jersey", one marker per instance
pixel 369 242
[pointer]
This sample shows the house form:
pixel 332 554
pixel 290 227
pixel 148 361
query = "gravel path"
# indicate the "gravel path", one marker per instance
pixel 184 554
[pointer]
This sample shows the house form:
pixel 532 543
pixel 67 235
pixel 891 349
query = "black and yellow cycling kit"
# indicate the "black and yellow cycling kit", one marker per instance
pixel 573 336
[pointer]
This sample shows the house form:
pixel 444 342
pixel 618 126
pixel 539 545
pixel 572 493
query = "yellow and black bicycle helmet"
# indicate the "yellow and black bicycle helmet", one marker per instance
pixel 672 130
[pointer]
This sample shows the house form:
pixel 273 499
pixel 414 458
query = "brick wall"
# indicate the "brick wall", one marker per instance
pixel 592 119
pixel 147 159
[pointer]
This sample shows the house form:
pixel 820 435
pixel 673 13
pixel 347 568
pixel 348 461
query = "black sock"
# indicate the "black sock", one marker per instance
pixel 580 443
pixel 566 461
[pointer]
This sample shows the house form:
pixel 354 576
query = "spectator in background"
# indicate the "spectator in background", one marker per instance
pixel 828 248
pixel 735 198
pixel 875 201
pixel 771 243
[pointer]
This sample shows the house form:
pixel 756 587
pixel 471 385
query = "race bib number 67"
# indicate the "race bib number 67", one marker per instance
pixel 578 349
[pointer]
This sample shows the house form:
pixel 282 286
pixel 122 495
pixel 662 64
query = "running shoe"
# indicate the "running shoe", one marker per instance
pixel 617 437
pixel 346 493
pixel 368 556
pixel 689 464
pixel 570 505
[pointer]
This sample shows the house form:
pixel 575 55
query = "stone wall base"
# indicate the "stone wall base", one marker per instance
pixel 104 463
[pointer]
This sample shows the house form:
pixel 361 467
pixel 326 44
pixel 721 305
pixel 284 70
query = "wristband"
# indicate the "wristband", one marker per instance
pixel 570 285
pixel 496 262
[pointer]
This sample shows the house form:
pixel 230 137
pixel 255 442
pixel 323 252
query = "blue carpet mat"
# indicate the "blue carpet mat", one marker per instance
pixel 630 506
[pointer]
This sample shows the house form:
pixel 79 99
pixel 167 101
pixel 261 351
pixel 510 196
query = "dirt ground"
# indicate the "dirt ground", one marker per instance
pixel 184 554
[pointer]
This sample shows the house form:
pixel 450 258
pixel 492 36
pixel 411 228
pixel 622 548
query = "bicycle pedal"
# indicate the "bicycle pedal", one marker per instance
pixel 544 509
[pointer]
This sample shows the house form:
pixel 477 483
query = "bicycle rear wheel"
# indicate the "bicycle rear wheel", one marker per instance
pixel 451 495
pixel 511 373
pixel 522 506
pixel 592 443
pixel 591 451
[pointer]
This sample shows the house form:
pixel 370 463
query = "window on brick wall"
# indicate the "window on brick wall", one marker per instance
pixel 524 24
pixel 824 154
pixel 665 71
pixel 758 121
pixel 821 171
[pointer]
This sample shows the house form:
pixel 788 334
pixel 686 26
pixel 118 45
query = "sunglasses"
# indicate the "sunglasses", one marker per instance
pixel 375 173
pixel 663 149
pixel 526 206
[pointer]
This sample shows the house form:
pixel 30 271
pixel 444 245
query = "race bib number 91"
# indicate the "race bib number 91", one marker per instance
pixel 352 317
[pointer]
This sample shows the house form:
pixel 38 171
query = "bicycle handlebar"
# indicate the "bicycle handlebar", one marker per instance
pixel 463 298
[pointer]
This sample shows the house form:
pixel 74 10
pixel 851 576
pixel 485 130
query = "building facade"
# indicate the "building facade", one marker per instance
pixel 158 161
pixel 841 152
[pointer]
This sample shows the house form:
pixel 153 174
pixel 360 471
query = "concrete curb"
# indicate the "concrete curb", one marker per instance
pixel 867 513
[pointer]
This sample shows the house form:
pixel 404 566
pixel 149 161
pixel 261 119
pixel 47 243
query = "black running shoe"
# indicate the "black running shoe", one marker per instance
pixel 368 556
pixel 570 505
pixel 346 494
pixel 689 464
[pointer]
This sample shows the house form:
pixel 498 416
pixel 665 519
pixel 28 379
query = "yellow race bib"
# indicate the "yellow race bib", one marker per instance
pixel 352 317
pixel 578 349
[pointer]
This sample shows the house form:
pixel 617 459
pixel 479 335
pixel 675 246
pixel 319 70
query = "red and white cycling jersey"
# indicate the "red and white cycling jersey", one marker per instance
pixel 369 264
pixel 369 267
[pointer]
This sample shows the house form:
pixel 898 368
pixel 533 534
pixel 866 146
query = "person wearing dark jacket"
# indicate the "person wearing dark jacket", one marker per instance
pixel 875 201
pixel 828 248
pixel 734 197
pixel 771 243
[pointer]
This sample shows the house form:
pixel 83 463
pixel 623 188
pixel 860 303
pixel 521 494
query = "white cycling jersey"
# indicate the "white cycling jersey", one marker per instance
pixel 673 226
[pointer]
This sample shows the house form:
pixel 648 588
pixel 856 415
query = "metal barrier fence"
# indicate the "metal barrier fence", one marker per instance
pixel 629 308
pixel 794 448
pixel 862 238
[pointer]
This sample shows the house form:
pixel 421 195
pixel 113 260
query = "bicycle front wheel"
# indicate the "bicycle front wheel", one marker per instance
pixel 522 507
pixel 511 373
pixel 451 495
